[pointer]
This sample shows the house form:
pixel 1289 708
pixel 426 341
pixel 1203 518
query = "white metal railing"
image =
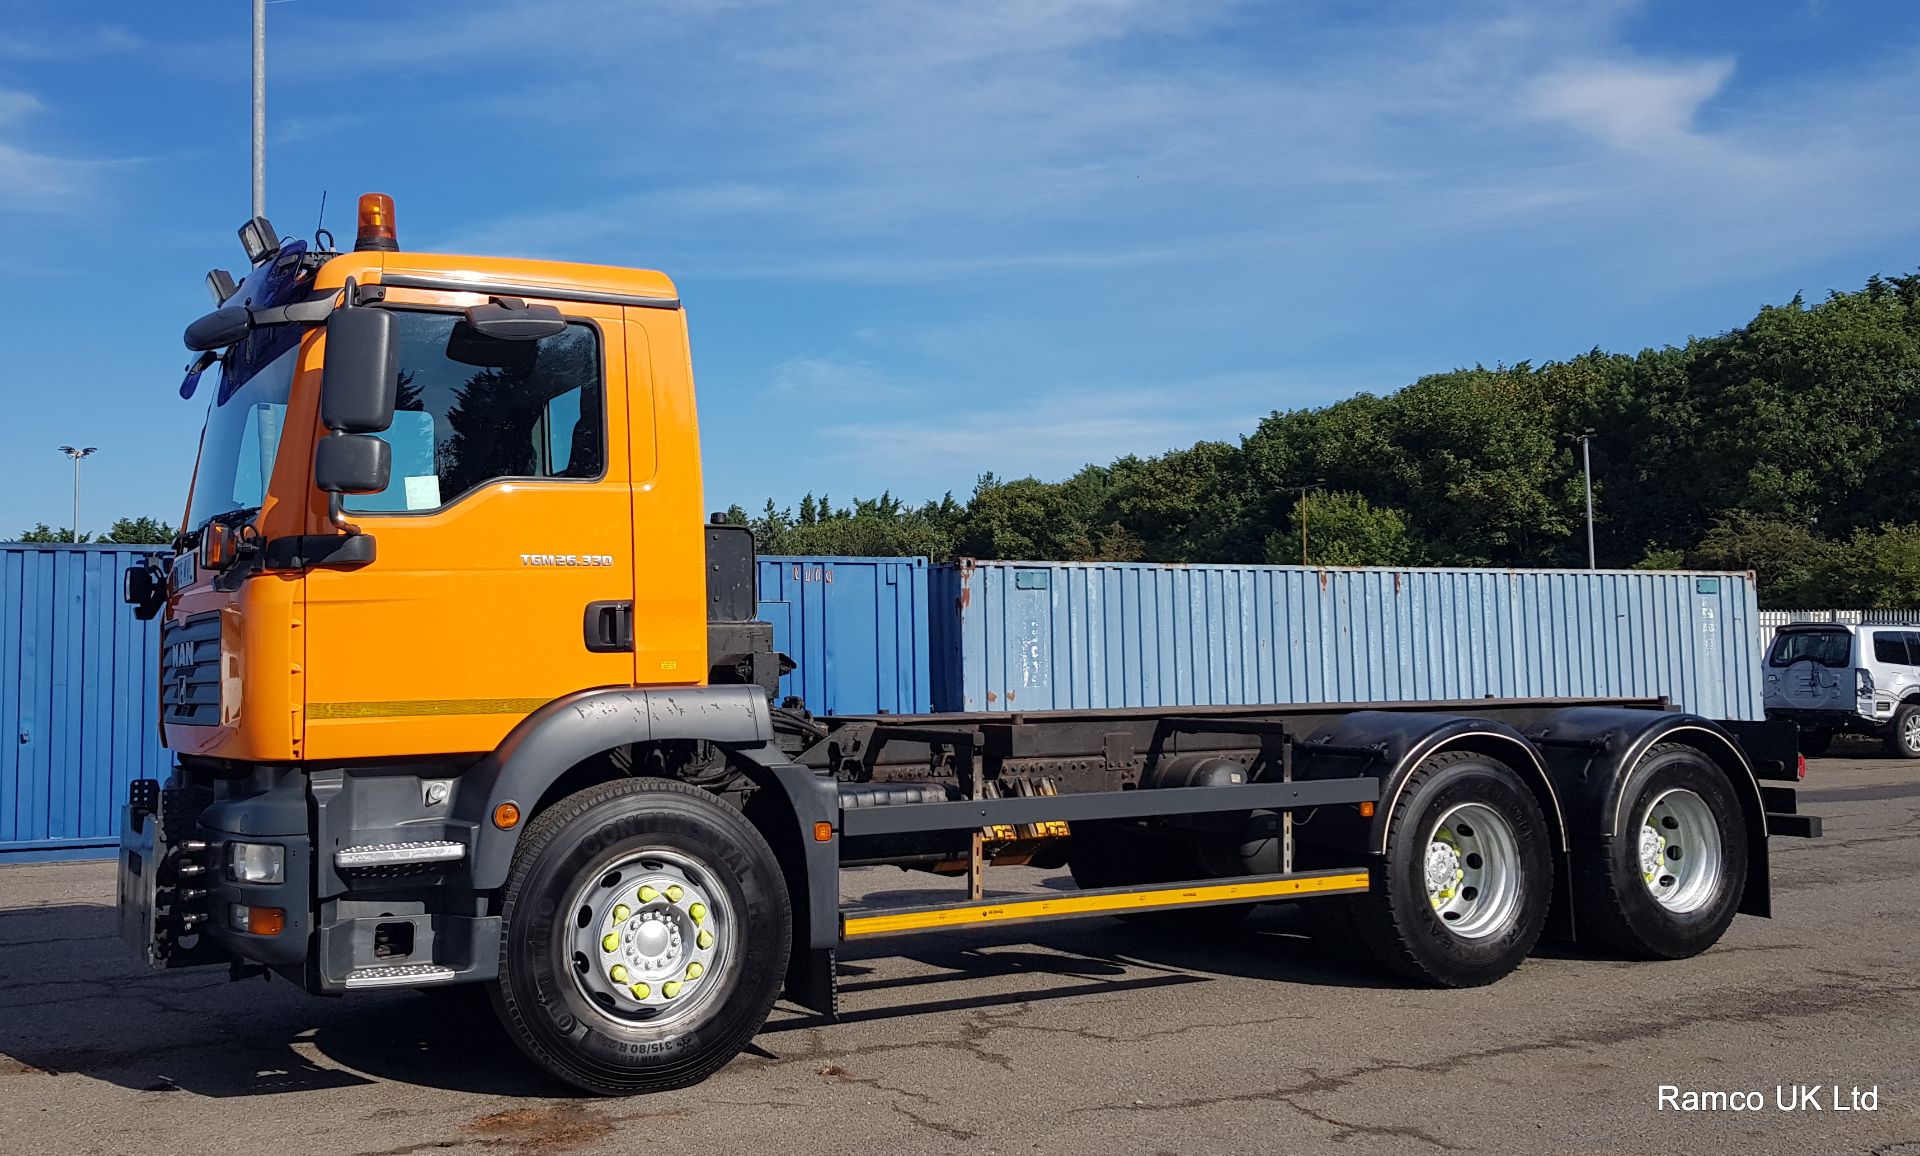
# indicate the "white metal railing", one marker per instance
pixel 1772 620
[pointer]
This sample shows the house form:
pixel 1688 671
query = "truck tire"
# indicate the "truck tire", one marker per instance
pixel 1126 855
pixel 1903 733
pixel 1814 743
pixel 645 931
pixel 1667 883
pixel 1461 895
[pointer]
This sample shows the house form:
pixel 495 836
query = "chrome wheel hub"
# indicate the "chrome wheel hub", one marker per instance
pixel 1472 871
pixel 1679 851
pixel 650 935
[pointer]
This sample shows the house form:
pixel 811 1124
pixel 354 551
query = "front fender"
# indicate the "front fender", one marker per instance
pixel 568 730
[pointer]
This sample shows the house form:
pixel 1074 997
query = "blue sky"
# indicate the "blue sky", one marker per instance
pixel 922 240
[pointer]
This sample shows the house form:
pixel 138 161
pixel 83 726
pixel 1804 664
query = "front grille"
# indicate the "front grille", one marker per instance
pixel 190 670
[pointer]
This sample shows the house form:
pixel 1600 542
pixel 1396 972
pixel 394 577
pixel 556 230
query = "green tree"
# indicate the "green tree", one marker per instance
pixel 1344 529
pixel 42 532
pixel 141 531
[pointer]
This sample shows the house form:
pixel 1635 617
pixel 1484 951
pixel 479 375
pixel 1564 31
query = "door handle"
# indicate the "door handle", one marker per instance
pixel 609 627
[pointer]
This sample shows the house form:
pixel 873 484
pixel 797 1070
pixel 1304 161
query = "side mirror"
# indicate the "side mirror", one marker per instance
pixel 218 329
pixel 355 463
pixel 361 378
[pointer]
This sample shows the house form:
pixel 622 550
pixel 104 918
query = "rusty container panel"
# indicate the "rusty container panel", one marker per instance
pixel 856 629
pixel 79 700
pixel 1044 636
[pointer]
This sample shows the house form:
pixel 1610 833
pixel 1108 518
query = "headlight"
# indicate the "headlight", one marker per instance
pixel 257 862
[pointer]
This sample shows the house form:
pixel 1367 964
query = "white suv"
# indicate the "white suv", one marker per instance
pixel 1830 678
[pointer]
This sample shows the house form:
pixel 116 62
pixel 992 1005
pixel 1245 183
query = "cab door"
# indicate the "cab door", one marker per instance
pixel 503 576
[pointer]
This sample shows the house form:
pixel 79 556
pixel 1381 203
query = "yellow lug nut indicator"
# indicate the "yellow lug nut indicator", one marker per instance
pixel 694 970
pixel 640 991
pixel 670 988
pixel 698 913
pixel 706 940
pixel 618 974
pixel 649 893
pixel 674 893
pixel 610 943
pixel 622 913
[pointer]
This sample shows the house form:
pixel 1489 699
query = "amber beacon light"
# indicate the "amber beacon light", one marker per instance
pixel 376 224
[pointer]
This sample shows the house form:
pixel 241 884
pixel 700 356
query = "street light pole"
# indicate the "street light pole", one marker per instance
pixel 1586 460
pixel 1303 525
pixel 76 454
pixel 1304 487
pixel 259 108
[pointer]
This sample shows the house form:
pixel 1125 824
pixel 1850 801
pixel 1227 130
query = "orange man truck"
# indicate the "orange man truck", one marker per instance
pixel 462 689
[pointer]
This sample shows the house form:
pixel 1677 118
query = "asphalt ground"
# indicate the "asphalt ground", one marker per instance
pixel 1086 1036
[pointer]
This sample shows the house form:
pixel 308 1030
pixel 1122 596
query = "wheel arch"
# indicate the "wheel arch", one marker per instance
pixel 1401 741
pixel 1591 752
pixel 570 733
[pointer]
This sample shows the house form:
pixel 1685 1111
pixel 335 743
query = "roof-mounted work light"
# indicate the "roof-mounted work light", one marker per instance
pixel 259 240
pixel 376 224
pixel 221 284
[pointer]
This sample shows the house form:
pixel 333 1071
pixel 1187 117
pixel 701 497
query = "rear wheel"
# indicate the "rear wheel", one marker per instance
pixel 1461 895
pixel 1903 733
pixel 1814 743
pixel 646 930
pixel 1667 883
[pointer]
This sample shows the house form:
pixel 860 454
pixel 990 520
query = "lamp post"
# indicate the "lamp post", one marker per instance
pixel 1304 487
pixel 76 455
pixel 259 108
pixel 1586 463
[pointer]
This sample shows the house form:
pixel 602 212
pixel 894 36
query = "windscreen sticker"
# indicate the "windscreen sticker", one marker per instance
pixel 423 491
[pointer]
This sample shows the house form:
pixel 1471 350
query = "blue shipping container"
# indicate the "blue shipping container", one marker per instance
pixel 78 703
pixel 1041 636
pixel 855 627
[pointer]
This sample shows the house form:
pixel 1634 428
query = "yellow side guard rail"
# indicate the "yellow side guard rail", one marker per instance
pixel 1105 901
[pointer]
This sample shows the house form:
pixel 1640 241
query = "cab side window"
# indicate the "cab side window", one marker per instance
pixel 475 409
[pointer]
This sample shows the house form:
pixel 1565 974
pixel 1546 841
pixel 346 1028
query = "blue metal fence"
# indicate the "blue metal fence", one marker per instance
pixel 79 718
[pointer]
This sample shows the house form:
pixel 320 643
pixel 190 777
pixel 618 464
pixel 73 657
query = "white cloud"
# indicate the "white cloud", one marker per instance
pixel 32 181
pixel 1638 106
pixel 1053 434
pixel 829 379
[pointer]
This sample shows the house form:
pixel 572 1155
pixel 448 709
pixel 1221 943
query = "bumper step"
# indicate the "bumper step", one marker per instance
pixel 373 856
pixel 400 975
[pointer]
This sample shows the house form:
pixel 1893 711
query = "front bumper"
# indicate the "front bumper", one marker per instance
pixel 376 929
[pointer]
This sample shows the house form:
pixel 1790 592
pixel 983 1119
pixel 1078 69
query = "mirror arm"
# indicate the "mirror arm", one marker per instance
pixel 337 513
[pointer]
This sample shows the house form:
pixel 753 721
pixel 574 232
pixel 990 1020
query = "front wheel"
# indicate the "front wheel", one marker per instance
pixel 645 930
pixel 1667 883
pixel 1461 895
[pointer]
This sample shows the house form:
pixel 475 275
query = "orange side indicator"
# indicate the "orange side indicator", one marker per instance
pixel 823 832
pixel 1366 810
pixel 506 816
pixel 266 920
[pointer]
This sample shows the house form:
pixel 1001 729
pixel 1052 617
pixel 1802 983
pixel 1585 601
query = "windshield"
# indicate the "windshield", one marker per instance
pixel 1826 647
pixel 241 439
